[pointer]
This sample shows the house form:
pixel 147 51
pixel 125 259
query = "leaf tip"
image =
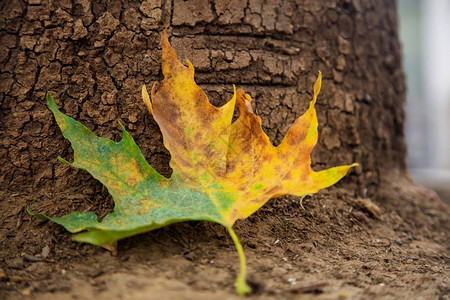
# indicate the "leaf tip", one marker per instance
pixel 170 63
pixel 125 135
pixel 51 102
pixel 317 86
pixel 153 91
pixel 37 215
pixel 165 38
pixel 240 100
pixel 121 126
pixel 64 161
pixel 146 98
pixel 191 67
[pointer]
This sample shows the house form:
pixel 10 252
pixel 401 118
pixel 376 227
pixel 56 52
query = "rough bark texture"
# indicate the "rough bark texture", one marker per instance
pixel 94 56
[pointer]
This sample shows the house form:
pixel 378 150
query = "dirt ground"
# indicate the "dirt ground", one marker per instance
pixel 334 249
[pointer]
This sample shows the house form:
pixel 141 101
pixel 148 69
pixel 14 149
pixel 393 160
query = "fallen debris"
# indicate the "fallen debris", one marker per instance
pixel 367 205
pixel 312 288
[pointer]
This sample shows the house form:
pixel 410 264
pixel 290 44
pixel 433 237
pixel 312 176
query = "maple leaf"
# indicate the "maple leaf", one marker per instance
pixel 222 171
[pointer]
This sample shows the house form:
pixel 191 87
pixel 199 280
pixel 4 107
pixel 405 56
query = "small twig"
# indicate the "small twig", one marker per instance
pixel 19 217
pixel 301 201
pixel 32 258
pixel 313 288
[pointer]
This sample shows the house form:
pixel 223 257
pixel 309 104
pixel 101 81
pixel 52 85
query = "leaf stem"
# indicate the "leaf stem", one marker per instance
pixel 241 285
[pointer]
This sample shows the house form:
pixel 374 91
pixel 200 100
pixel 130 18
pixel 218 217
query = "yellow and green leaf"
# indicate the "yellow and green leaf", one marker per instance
pixel 222 170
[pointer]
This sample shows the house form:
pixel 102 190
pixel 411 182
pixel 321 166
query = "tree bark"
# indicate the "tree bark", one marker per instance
pixel 95 56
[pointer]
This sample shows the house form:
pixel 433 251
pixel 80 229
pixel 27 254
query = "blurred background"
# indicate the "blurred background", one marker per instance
pixel 425 35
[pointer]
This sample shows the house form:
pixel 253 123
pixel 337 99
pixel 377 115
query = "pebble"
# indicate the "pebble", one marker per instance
pixel 31 258
pixel 45 251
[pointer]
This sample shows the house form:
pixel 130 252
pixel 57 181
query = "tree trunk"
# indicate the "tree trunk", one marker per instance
pixel 94 56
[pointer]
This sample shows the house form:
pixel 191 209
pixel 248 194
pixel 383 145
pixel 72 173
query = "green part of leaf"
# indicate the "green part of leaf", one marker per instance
pixel 144 199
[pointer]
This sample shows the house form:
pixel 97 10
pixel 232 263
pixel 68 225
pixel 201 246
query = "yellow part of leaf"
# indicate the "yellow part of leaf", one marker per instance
pixel 234 163
pixel 194 131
